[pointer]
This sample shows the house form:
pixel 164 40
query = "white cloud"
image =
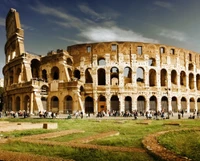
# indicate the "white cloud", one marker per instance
pixel 166 5
pixel 175 35
pixel 70 40
pixel 113 34
pixel 2 21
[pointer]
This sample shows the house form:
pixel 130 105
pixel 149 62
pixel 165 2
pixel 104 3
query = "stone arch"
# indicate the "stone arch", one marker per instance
pixel 55 73
pixel 27 103
pixel 44 90
pixel 174 77
pixel 190 67
pixel 69 61
pixel 183 104
pixel 68 105
pixel 191 81
pixel 114 76
pixel 183 78
pixel 152 78
pixel 164 104
pixel 77 74
pixel 152 62
pixel 35 66
pixel 163 77
pixel 89 105
pixel 198 81
pixel 101 61
pixel 192 104
pixel 102 104
pixel 153 103
pixel 101 76
pixel 127 75
pixel 44 75
pixel 114 103
pixel 140 75
pixel 141 104
pixel 55 104
pixel 18 103
pixel 88 76
pixel 174 104
pixel 128 103
pixel 162 50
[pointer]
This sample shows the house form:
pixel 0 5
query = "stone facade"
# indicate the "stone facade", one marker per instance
pixel 103 76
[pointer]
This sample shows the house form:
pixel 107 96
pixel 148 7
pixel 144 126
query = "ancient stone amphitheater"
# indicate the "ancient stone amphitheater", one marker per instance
pixel 94 77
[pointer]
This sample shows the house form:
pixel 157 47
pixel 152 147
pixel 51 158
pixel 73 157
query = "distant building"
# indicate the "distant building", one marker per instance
pixel 105 76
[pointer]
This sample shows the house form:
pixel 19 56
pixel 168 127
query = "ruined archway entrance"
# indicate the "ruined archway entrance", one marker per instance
pixel 54 104
pixel 102 104
pixel 128 104
pixel 192 105
pixel 114 103
pixel 18 103
pixel 164 104
pixel 141 104
pixel 68 105
pixel 198 104
pixel 174 104
pixel 89 105
pixel 183 104
pixel 153 103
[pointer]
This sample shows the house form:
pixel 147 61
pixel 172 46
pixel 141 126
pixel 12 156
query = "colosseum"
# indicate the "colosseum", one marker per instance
pixel 94 77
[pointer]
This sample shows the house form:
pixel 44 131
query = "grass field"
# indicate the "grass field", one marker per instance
pixel 131 134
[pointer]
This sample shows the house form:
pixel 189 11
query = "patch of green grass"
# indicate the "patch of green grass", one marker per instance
pixel 130 135
pixel 185 143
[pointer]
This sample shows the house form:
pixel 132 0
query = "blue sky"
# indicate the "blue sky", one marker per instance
pixel 55 24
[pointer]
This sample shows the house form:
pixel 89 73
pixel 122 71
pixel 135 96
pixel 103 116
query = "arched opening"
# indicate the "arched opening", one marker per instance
pixel 114 103
pixel 44 75
pixel 127 75
pixel 153 103
pixel 198 81
pixel 101 62
pixel 183 78
pixel 77 74
pixel 192 105
pixel 114 76
pixel 191 67
pixel 183 104
pixel 89 105
pixel 191 81
pixel 55 104
pixel 35 66
pixel 152 62
pixel 141 104
pixel 152 78
pixel 69 62
pixel 68 105
pixel 102 104
pixel 27 104
pixel 18 102
pixel 44 90
pixel 174 77
pixel 164 104
pixel 55 73
pixel 163 77
pixel 101 77
pixel 174 104
pixel 88 76
pixel 128 104
pixel 140 75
